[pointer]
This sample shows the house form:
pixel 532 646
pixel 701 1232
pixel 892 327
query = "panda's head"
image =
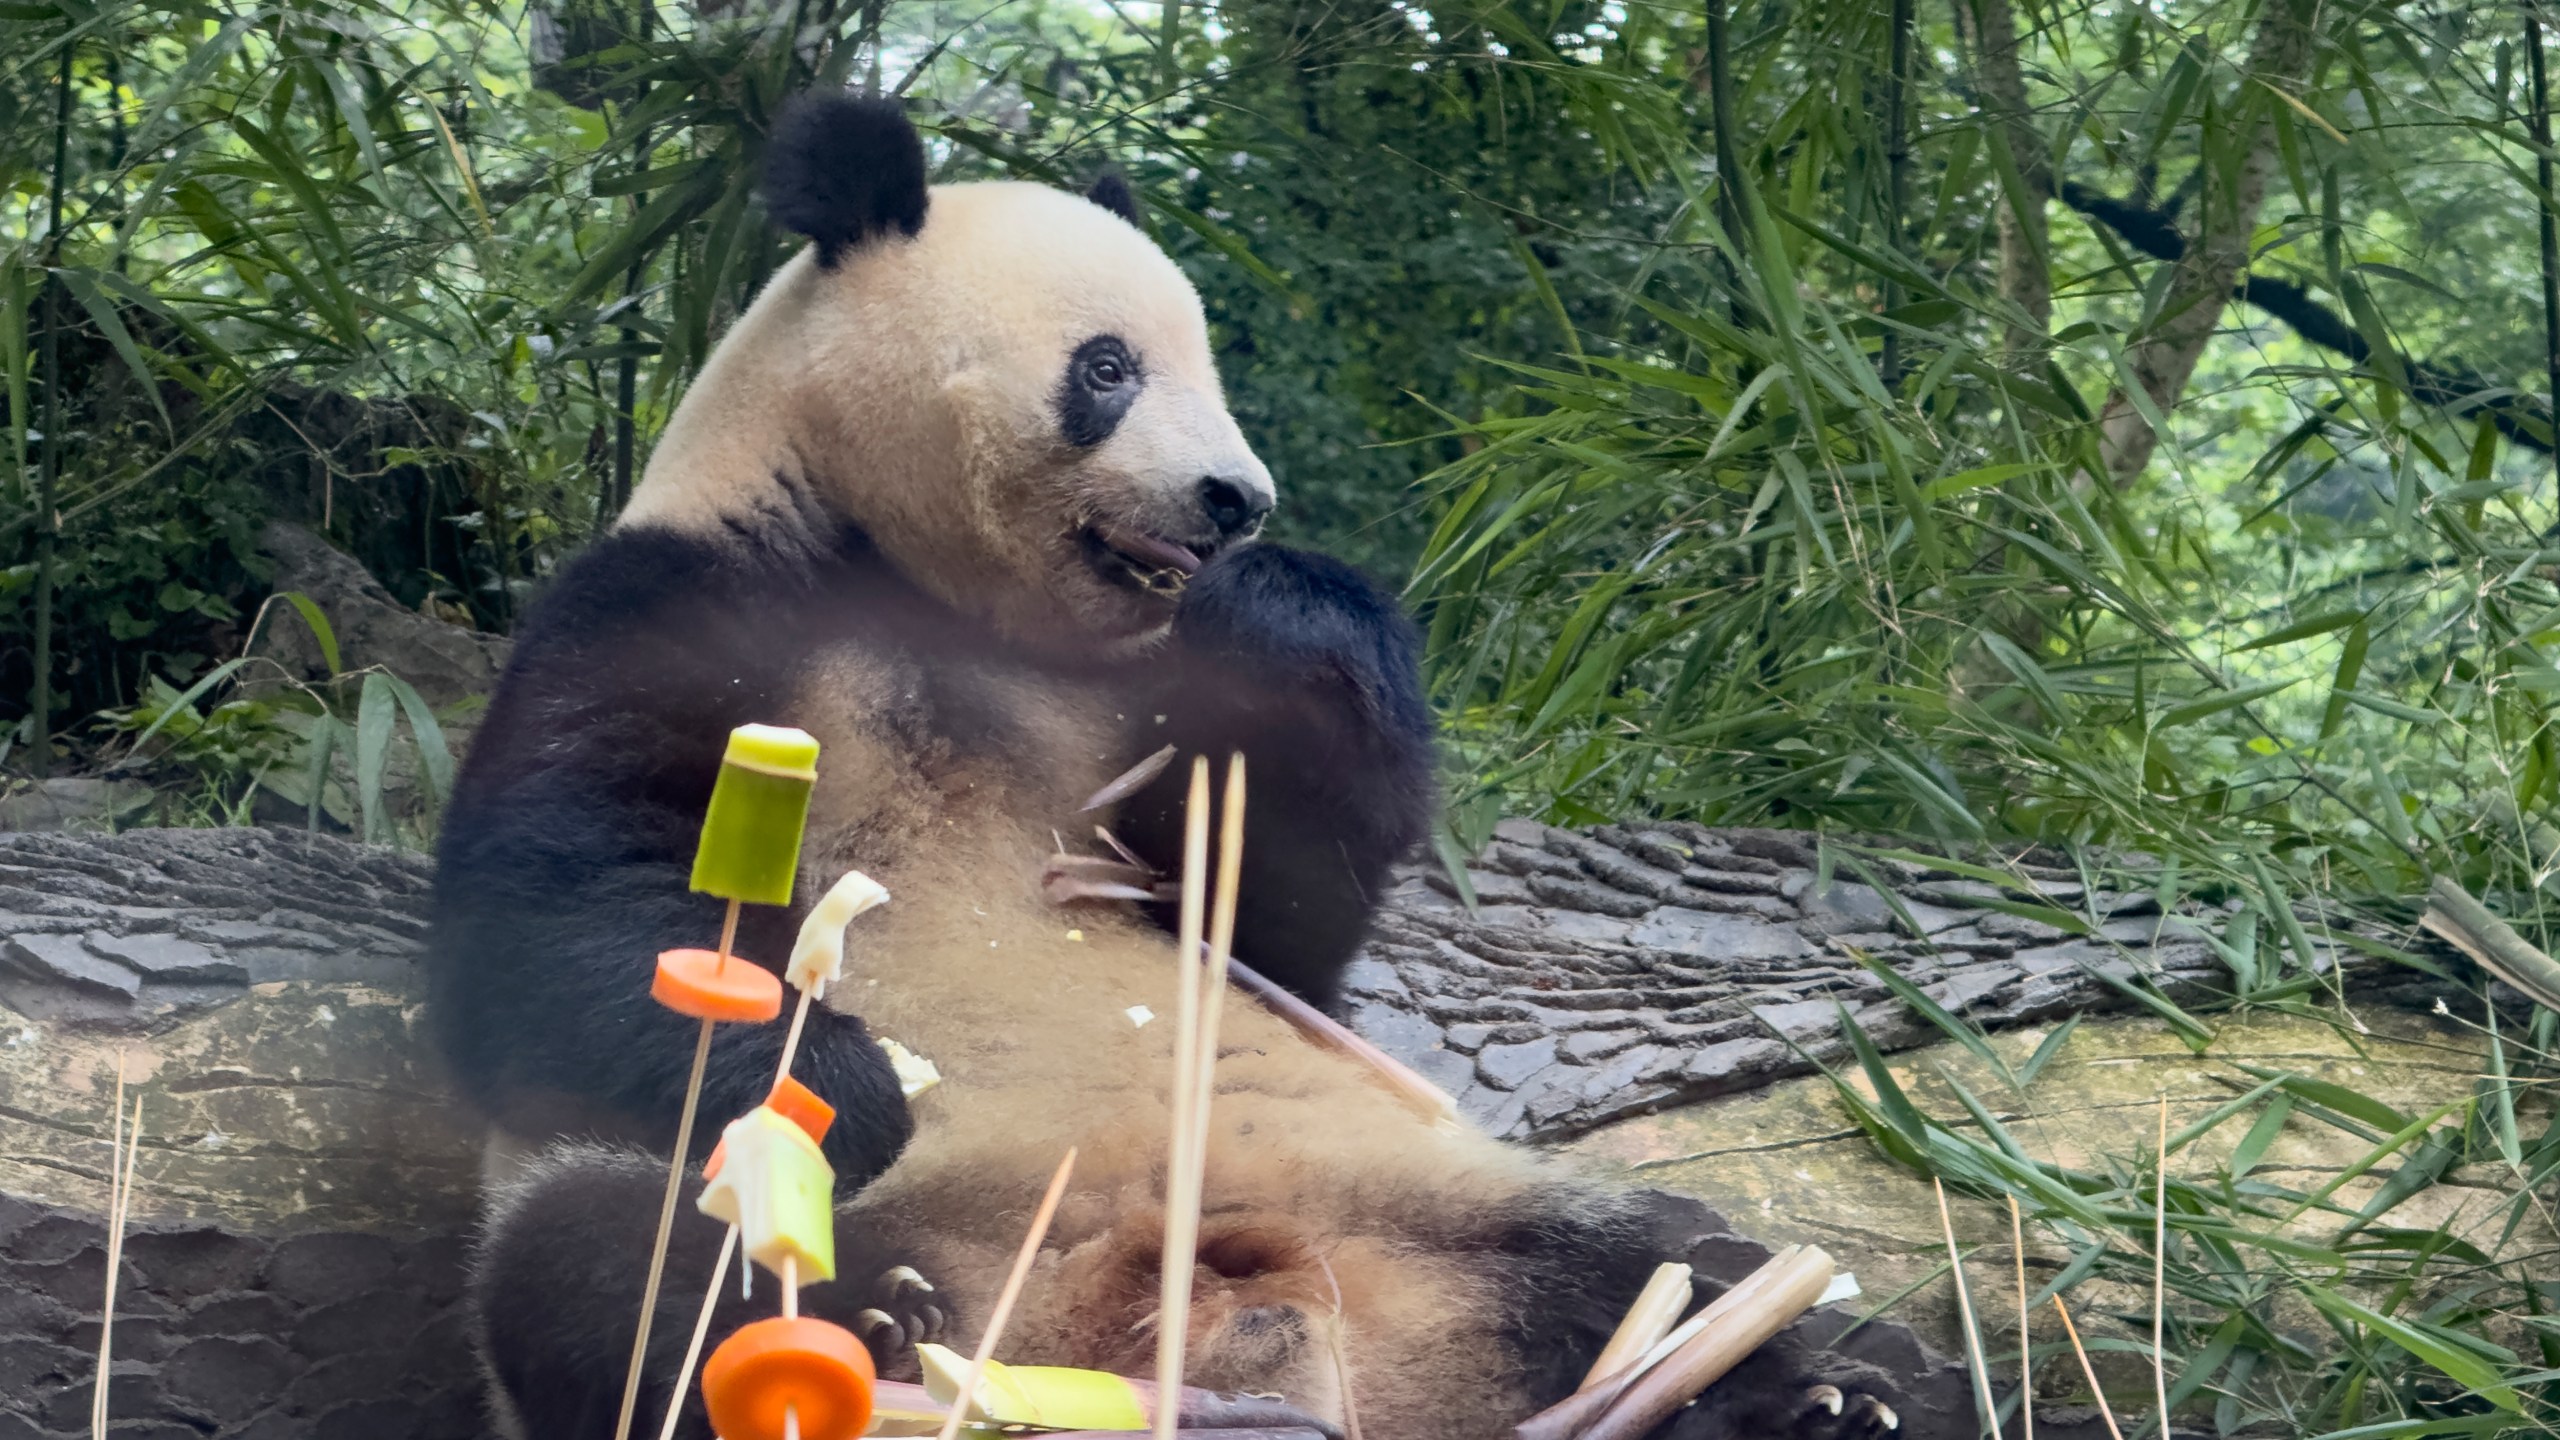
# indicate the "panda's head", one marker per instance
pixel 1006 387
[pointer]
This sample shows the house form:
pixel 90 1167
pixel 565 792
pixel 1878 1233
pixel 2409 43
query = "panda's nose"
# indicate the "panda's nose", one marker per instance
pixel 1231 507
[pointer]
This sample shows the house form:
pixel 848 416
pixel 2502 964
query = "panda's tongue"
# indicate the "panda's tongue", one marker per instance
pixel 1138 545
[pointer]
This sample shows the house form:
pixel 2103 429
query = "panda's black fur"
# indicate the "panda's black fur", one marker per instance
pixel 1486 1281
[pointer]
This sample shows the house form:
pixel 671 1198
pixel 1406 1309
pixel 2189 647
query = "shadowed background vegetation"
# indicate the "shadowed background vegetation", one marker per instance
pixel 2120 427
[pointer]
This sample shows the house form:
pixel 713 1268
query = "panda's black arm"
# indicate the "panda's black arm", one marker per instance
pixel 562 872
pixel 1314 673
pixel 552 907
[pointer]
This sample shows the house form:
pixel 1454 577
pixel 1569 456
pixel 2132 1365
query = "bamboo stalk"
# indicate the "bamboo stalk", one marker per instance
pixel 2469 926
pixel 1408 1085
pixel 1897 166
pixel 49 465
pixel 1656 1309
pixel 967 1399
pixel 2539 119
pixel 1182 1198
pixel 2105 1411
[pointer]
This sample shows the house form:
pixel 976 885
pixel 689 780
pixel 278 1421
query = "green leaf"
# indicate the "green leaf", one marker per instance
pixel 309 610
pixel 435 757
pixel 374 716
pixel 2195 710
pixel 188 697
pixel 2465 1368
pixel 2305 629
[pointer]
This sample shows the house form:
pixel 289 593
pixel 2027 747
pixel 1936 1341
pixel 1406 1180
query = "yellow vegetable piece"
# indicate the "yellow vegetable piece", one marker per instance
pixel 750 847
pixel 1050 1396
pixel 779 1191
pixel 817 958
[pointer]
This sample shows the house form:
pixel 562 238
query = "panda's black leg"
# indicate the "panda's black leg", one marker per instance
pixel 1314 674
pixel 561 1266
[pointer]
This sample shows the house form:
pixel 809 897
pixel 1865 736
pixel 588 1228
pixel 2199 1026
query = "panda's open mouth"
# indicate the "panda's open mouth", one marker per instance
pixel 1136 558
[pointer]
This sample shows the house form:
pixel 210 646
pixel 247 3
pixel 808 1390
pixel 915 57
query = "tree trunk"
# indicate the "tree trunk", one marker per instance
pixel 2165 355
pixel 2019 153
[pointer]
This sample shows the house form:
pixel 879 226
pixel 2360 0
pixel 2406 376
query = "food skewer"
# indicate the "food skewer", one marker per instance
pixel 966 1399
pixel 1977 1354
pixel 817 961
pixel 749 853
pixel 789 1377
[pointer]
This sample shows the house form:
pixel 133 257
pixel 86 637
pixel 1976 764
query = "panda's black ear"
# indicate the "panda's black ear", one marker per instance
pixel 1111 191
pixel 843 169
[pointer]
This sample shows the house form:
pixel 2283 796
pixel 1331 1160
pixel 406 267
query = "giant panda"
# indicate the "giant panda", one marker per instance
pixel 959 495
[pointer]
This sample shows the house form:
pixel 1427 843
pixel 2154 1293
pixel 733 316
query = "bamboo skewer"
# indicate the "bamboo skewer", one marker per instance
pixel 2026 1352
pixel 667 1206
pixel 1182 1196
pixel 2106 1412
pixel 1657 1308
pixel 1980 1362
pixel 967 1399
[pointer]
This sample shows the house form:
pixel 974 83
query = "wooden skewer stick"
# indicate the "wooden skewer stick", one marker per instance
pixel 1657 1308
pixel 667 1206
pixel 1222 938
pixel 701 1333
pixel 2026 1352
pixel 1182 1198
pixel 967 1400
pixel 2160 1269
pixel 2106 1412
pixel 1980 1363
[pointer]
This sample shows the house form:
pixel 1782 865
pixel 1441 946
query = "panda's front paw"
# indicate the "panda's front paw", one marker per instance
pixel 1311 616
pixel 902 1310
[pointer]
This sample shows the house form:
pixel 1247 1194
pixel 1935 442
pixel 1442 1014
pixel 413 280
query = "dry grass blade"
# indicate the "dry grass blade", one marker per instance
pixel 122 1149
pixel 1418 1094
pixel 2097 1393
pixel 2160 1270
pixel 1975 1360
pixel 2026 1347
pixel 965 1402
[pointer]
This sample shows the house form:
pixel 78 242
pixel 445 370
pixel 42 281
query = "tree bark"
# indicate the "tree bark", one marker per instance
pixel 2164 357
pixel 2018 151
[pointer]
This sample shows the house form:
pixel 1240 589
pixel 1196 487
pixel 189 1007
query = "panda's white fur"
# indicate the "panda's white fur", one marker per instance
pixel 873 516
pixel 929 422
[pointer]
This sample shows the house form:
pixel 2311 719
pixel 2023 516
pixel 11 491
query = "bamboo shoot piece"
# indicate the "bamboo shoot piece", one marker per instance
pixel 1717 1347
pixel 1664 1300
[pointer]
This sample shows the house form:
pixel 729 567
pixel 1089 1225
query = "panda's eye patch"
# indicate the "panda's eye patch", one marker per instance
pixel 1101 382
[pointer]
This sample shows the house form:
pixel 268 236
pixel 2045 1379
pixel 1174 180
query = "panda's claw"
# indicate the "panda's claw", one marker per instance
pixel 1826 1397
pixel 1879 1414
pixel 900 1280
pixel 880 1331
pixel 929 1322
